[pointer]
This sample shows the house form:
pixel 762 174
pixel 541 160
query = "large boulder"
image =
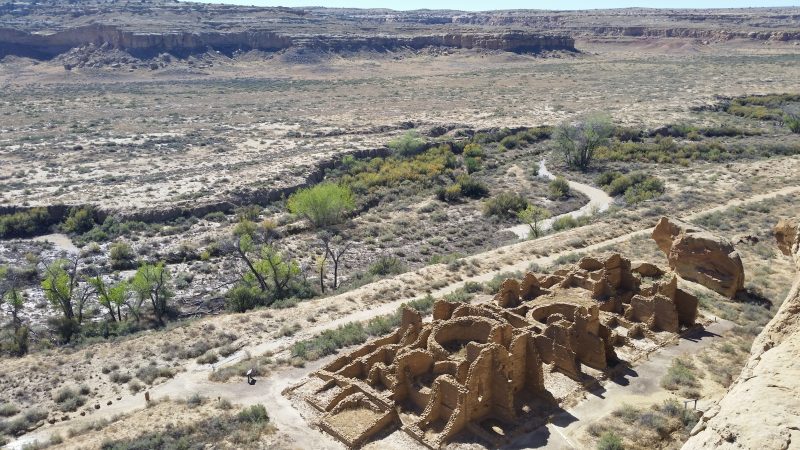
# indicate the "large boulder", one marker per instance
pixel 761 409
pixel 700 256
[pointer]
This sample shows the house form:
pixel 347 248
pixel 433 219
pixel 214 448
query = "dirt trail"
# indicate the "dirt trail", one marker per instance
pixel 599 201
pixel 195 378
pixel 60 241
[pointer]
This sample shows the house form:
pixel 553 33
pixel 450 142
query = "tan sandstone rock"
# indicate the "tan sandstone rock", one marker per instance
pixel 700 256
pixel 762 408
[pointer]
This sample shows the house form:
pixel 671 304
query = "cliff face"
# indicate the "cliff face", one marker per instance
pixel 47 28
pixel 762 408
pixel 20 43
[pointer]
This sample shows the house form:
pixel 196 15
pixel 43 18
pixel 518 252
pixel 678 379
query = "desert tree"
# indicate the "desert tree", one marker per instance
pixel 62 288
pixel 152 282
pixel 11 296
pixel 533 215
pixel 323 205
pixel 280 271
pixel 579 141
pixel 321 262
pixel 268 275
pixel 111 296
pixel 335 247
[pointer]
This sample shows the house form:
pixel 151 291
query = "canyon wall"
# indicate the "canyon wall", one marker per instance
pixel 147 44
pixel 762 408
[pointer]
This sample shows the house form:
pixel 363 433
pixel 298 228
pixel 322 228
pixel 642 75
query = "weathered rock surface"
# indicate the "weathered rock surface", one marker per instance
pixel 762 408
pixel 700 256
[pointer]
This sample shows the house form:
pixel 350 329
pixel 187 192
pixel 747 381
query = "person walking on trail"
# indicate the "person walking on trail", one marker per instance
pixel 250 379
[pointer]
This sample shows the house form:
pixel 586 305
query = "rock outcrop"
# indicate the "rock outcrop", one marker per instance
pixel 481 368
pixel 147 29
pixel 762 407
pixel 700 256
pixel 182 43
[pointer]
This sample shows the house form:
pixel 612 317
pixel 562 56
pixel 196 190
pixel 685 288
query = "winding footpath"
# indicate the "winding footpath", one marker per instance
pixel 268 390
pixel 599 201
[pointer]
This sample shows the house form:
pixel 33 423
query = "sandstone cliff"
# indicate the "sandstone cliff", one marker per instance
pixel 148 44
pixel 48 28
pixel 762 408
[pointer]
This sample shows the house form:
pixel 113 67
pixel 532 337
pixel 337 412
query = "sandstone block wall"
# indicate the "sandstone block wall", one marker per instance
pixel 478 362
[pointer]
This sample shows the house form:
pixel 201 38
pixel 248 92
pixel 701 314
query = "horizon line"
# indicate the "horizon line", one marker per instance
pixel 666 8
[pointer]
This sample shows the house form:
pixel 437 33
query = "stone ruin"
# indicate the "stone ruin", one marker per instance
pixel 475 370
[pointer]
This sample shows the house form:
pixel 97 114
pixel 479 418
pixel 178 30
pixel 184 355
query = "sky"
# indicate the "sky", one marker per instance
pixel 467 5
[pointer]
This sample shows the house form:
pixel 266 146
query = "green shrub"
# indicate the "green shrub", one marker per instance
pixel 424 305
pixel 681 373
pixel 493 286
pixel 119 377
pixel 253 414
pixel 610 441
pixel 473 287
pixel 471 187
pixel 241 298
pixel 459 295
pixel 250 212
pixel 564 223
pixel 122 256
pixel 216 216
pixel 607 177
pixel 381 325
pixel 473 150
pixel 24 223
pixel 195 400
pixel 465 186
pixel 151 373
pixel 558 188
pixel 636 187
pixel 69 399
pixel 619 185
pixel 472 164
pixel 505 205
pixel 510 142
pixel 79 220
pixel 386 265
pixel 648 189
pixel 792 122
pixel 408 144
pixel 323 205
pixel 8 410
pixel 329 341
pixel 449 194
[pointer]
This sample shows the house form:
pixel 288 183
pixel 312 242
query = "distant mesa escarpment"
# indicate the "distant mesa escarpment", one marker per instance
pixel 146 28
pixel 183 43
